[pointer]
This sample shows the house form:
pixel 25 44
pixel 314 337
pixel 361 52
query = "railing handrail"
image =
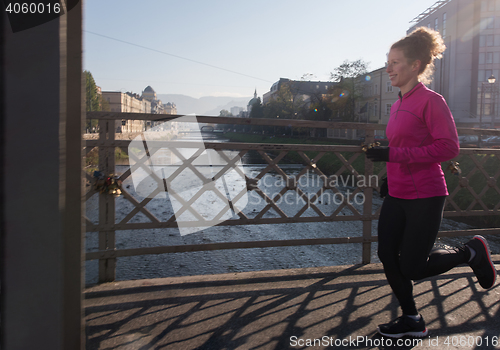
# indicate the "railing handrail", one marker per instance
pixel 107 225
pixel 269 122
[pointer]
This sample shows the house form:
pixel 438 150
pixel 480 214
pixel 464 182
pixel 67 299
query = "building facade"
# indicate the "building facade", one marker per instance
pixel 300 89
pixel 471 31
pixel 378 97
pixel 127 103
pixel 157 107
pixel 170 108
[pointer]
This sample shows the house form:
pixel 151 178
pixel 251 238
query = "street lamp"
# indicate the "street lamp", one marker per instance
pixel 491 82
pixel 494 89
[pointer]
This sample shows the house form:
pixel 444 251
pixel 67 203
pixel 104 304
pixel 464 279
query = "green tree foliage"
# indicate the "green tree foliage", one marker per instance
pixel 257 110
pixel 348 89
pixel 93 101
pixel 225 113
pixel 349 69
pixel 284 105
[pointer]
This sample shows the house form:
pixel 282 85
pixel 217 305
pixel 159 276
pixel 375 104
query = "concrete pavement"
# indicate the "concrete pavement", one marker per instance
pixel 316 308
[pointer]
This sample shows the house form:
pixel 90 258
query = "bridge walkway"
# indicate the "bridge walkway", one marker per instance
pixel 338 307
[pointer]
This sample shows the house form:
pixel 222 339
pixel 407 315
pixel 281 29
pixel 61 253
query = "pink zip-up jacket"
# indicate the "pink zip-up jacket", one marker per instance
pixel 422 134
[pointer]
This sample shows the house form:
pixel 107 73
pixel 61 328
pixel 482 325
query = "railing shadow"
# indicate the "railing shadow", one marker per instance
pixel 338 307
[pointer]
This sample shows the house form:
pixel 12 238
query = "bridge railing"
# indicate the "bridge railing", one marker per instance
pixel 474 192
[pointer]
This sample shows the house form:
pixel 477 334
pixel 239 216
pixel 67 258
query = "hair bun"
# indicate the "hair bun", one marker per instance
pixel 423 44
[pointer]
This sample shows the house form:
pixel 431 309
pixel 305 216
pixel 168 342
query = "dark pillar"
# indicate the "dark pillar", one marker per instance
pixel 41 186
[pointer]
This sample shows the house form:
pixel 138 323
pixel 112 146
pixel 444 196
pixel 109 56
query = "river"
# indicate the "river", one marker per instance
pixel 226 261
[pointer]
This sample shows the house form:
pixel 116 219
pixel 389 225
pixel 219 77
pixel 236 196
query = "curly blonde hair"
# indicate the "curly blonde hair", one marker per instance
pixel 423 44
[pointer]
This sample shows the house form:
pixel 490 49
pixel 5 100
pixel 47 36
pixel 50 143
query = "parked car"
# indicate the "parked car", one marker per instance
pixel 468 141
pixel 472 140
pixel 492 141
pixel 378 138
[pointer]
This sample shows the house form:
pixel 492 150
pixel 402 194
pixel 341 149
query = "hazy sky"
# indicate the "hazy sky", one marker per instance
pixel 230 48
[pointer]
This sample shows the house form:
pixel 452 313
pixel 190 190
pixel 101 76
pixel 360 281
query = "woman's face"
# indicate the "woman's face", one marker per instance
pixel 402 74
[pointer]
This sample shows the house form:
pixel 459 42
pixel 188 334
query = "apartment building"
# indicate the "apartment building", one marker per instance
pixel 471 31
pixel 170 108
pixel 299 89
pixel 127 103
pixel 378 97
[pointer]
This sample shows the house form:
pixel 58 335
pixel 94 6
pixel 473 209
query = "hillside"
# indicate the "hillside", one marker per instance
pixel 208 105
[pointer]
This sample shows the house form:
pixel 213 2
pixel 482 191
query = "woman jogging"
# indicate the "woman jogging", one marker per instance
pixel 422 134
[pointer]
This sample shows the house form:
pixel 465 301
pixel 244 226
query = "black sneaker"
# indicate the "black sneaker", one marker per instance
pixel 483 267
pixel 403 326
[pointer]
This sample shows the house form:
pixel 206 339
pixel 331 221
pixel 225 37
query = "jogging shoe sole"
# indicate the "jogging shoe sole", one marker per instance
pixel 485 280
pixel 421 334
pixel 403 326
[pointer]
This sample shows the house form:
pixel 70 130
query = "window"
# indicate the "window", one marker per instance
pixel 388 109
pixel 389 87
pixel 487 23
pixel 444 24
pixel 491 23
pixel 496 57
pixel 486 40
pixel 496 40
pixel 481 76
pixel 490 40
pixel 375 108
pixel 489 57
pixel 375 89
pixel 487 5
pixel 487 109
pixel 436 24
pixel 482 58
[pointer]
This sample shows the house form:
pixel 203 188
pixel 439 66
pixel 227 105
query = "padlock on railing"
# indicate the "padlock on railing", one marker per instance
pixel 454 168
pixel 107 184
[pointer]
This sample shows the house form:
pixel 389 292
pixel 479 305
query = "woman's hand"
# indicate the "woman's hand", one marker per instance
pixel 378 154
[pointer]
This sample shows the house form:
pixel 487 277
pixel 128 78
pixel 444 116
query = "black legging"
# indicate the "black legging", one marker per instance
pixel 407 229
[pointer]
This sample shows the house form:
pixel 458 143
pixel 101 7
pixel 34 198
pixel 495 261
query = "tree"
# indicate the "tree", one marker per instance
pixel 349 88
pixel 308 76
pixel 257 110
pixel 285 105
pixel 93 101
pixel 225 113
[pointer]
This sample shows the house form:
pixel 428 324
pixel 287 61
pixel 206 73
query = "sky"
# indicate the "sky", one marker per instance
pixel 232 48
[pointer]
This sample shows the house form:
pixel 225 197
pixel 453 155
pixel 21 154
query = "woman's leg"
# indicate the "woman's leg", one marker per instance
pixel 418 259
pixel 391 228
pixel 407 232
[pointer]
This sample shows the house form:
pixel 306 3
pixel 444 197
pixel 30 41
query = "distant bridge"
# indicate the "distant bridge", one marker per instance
pixel 207 128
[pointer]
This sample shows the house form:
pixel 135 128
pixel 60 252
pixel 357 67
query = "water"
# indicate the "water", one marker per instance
pixel 224 261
